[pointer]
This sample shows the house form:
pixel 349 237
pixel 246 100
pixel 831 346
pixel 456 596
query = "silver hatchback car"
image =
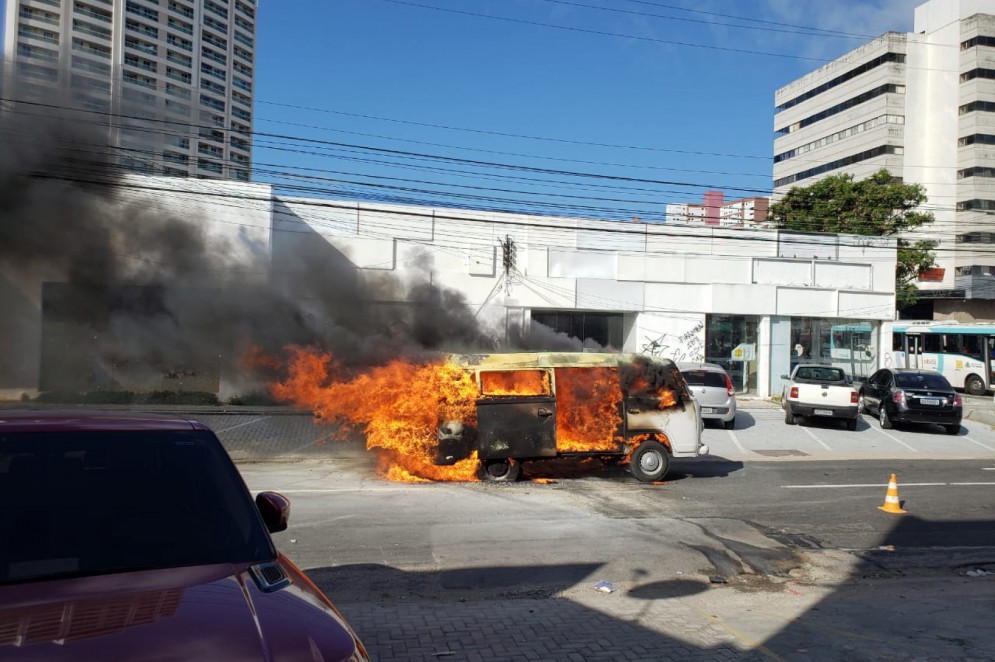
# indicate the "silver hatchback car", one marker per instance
pixel 710 385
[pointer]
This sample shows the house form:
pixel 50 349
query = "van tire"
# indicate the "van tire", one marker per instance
pixel 650 461
pixel 975 385
pixel 499 471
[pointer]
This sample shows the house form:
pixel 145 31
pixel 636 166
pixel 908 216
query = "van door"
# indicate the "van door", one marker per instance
pixel 516 426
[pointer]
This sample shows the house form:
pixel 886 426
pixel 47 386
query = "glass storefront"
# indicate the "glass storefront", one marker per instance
pixel 731 342
pixel 845 343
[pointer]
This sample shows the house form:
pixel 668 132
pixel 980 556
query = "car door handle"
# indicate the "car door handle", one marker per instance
pixel 633 411
pixel 544 413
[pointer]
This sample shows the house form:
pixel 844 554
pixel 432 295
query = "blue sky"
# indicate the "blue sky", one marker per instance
pixel 658 111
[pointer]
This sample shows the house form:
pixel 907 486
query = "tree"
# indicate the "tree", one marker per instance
pixel 878 206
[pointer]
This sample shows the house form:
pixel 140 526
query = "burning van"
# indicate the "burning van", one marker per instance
pixel 533 406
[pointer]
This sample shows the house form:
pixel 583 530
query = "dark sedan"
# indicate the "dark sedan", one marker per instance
pixel 136 539
pixel 911 396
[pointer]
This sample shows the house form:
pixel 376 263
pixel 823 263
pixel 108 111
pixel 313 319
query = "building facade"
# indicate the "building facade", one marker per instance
pixel 921 105
pixel 754 301
pixel 186 65
pixel 716 210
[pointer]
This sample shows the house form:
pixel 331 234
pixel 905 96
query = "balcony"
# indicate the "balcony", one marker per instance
pixel 242 39
pixel 216 10
pixel 37 33
pixel 179 76
pixel 81 46
pixel 90 29
pixel 180 26
pixel 36 52
pixel 83 10
pixel 178 59
pixel 144 12
pixel 213 57
pixel 179 43
pixel 245 11
pixel 42 16
pixel 142 29
pixel 181 9
pixel 241 84
pixel 135 79
pixel 142 46
pixel 145 65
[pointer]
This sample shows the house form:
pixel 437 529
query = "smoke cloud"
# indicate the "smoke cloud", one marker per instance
pixel 115 293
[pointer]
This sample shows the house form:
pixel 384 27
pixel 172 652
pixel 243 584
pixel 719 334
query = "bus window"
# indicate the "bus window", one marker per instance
pixel 932 342
pixel 898 342
pixel 971 346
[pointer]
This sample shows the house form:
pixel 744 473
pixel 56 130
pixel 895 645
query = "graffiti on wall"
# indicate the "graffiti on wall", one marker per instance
pixel 686 346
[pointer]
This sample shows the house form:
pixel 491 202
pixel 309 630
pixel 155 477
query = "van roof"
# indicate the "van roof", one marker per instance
pixel 526 360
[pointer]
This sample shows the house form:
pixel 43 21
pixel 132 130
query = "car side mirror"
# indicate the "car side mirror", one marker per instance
pixel 275 509
pixel 784 377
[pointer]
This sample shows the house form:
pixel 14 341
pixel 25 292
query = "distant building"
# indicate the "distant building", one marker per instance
pixel 921 105
pixel 714 210
pixel 188 61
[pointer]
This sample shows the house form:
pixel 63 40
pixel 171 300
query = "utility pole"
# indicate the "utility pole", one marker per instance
pixel 508 261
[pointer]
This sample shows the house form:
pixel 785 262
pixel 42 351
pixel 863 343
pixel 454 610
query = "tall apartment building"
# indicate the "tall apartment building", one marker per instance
pixel 174 77
pixel 921 105
pixel 716 210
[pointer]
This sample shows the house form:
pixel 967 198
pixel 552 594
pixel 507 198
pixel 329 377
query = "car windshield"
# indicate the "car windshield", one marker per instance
pixel 92 503
pixel 705 378
pixel 921 380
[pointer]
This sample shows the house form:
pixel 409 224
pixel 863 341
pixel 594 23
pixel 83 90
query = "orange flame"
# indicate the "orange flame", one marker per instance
pixel 588 417
pixel 397 405
pixel 515 382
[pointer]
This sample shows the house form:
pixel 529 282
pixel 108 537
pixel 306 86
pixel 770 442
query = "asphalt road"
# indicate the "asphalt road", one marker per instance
pixel 813 569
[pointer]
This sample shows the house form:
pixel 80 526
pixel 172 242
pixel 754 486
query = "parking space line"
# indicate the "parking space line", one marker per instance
pixel 894 438
pixel 818 441
pixel 735 440
pixel 255 420
pixel 985 446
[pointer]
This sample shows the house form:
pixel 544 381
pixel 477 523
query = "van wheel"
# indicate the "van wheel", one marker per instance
pixel 650 461
pixel 975 385
pixel 499 471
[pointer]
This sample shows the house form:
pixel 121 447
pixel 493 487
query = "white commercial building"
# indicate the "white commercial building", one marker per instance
pixel 921 105
pixel 184 61
pixel 755 301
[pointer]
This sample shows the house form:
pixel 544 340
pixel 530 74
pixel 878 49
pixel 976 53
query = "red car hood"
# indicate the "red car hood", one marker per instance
pixel 199 613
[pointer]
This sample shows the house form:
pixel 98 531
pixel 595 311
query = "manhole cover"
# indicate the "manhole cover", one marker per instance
pixel 777 452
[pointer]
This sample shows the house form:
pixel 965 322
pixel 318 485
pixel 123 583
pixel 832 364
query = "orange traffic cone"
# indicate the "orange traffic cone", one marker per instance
pixel 891 503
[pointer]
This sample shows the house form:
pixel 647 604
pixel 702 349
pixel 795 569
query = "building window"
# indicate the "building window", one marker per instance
pixel 844 343
pixel 605 329
pixel 841 107
pixel 840 163
pixel 731 342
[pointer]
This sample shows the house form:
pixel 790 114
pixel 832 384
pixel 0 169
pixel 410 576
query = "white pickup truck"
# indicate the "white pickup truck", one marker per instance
pixel 819 390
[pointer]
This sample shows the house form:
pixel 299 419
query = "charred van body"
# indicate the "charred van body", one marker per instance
pixel 534 406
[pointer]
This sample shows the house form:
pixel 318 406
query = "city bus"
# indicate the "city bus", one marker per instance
pixel 961 352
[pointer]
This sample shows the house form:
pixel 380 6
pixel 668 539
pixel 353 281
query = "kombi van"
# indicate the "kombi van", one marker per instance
pixel 533 406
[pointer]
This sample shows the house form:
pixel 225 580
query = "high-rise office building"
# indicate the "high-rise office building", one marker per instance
pixel 921 105
pixel 173 79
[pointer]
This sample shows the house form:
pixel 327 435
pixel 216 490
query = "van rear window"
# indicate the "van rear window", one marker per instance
pixel 704 378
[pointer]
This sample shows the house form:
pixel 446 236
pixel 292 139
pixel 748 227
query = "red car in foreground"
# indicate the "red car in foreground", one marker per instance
pixel 135 538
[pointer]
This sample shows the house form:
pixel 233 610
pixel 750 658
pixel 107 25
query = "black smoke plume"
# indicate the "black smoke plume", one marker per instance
pixel 113 292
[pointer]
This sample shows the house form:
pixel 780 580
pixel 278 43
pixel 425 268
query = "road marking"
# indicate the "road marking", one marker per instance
pixel 735 440
pixel 819 441
pixel 835 487
pixel 980 444
pixel 894 438
pixel 255 420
